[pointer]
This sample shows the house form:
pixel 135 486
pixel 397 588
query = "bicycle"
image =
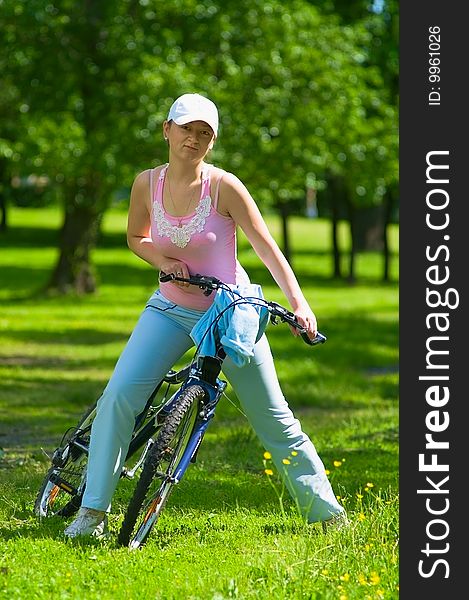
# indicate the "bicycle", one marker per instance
pixel 168 433
pixel 190 412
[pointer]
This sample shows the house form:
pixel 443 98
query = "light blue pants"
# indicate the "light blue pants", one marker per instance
pixel 159 340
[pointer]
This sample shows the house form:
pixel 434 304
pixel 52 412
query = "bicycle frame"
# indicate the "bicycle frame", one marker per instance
pixel 192 408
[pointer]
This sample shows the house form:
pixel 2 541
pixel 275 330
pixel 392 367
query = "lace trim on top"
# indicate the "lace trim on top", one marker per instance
pixel 180 235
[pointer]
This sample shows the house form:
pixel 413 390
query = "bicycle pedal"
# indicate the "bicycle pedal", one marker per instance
pixel 63 485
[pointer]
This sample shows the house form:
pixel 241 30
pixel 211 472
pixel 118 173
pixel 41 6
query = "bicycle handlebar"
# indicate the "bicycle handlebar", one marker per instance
pixel 209 284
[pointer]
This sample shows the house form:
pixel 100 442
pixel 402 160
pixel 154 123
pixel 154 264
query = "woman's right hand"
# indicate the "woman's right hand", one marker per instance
pixel 177 268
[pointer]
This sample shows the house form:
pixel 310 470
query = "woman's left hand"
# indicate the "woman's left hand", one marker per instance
pixel 307 319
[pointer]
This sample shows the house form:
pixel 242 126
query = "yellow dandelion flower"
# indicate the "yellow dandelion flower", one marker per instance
pixel 267 455
pixel 324 572
pixel 268 472
pixel 374 578
pixel 328 472
pixel 343 597
pixel 345 577
pixel 370 485
pixel 338 497
pixel 343 460
pixel 359 496
pixel 337 463
pixel 361 517
pixel 294 453
pixel 286 461
pixel 362 579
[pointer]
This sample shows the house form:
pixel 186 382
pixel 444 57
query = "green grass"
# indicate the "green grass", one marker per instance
pixel 224 533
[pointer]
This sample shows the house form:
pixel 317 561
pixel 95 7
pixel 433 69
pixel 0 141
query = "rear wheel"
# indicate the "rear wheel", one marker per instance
pixel 156 480
pixel 63 486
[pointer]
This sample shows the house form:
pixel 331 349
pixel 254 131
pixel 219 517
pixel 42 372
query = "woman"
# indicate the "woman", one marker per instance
pixel 182 220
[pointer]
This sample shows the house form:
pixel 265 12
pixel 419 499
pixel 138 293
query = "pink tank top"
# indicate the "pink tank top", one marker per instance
pixel 205 240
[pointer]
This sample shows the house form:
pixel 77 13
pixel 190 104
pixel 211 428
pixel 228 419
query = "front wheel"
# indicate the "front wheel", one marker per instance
pixel 156 480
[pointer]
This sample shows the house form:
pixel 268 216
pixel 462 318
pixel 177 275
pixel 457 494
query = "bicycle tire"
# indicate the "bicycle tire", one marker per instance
pixel 62 488
pixel 146 504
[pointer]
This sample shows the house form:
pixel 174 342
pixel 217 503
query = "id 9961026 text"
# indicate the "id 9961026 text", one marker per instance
pixel 434 59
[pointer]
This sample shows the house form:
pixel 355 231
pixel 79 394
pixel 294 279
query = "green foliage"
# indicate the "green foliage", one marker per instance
pixel 92 82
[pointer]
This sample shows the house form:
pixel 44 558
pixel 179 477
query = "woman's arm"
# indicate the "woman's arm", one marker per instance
pixel 138 229
pixel 237 202
pixel 138 221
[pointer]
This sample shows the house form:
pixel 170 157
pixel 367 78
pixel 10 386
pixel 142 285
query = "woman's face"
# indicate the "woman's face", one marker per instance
pixel 192 140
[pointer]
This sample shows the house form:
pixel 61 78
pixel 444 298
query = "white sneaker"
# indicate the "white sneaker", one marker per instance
pixel 340 521
pixel 89 522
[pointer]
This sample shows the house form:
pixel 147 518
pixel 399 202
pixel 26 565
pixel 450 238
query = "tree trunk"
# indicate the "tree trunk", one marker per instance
pixel 4 186
pixel 388 210
pixel 335 199
pixel 335 242
pixel 3 209
pixel 369 228
pixel 284 213
pixel 74 271
pixel 353 241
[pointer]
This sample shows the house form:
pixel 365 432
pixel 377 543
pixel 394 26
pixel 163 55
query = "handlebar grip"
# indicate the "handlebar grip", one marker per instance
pixel 319 339
pixel 306 338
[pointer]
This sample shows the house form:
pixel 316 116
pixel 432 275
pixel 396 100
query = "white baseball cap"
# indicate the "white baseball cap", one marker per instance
pixel 194 107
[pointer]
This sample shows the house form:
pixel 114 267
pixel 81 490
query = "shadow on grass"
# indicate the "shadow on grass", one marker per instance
pixel 26 527
pixel 30 237
pixel 349 354
pixel 28 284
pixel 70 337
pixel 351 343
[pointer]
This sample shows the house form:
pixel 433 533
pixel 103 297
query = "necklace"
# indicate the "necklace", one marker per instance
pixel 174 205
pixel 181 236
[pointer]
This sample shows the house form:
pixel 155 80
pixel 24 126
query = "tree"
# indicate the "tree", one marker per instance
pixel 370 215
pixel 93 106
pixel 9 123
pixel 97 80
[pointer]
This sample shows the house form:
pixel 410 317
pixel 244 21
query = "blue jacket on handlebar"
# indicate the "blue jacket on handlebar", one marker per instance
pixel 238 328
